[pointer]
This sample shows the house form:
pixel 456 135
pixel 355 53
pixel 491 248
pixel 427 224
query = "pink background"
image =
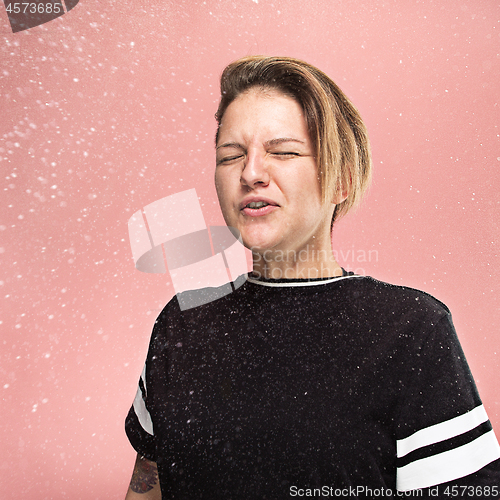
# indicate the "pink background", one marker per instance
pixel 110 107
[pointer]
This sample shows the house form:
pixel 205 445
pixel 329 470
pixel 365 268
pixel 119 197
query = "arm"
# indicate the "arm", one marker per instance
pixel 144 484
pixel 446 438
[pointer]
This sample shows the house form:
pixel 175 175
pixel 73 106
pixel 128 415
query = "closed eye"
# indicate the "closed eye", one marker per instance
pixel 229 159
pixel 286 154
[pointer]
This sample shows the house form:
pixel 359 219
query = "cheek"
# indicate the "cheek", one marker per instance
pixel 218 184
pixel 223 188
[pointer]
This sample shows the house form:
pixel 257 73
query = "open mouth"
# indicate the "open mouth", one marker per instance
pixel 259 208
pixel 257 204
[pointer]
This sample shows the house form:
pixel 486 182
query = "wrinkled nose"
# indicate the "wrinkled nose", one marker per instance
pixel 255 172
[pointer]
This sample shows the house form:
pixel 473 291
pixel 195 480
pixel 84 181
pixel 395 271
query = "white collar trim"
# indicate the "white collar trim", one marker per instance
pixel 301 283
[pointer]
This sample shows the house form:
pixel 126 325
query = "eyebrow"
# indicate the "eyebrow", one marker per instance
pixel 229 145
pixel 272 142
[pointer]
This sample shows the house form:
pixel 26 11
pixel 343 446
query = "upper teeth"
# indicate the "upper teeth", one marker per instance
pixel 257 204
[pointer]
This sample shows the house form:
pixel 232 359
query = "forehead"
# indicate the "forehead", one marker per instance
pixel 260 112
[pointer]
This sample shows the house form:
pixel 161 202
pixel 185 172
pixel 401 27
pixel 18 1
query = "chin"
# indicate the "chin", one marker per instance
pixel 259 245
pixel 259 240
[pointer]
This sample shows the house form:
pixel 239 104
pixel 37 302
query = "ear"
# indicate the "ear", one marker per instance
pixel 340 196
pixel 342 191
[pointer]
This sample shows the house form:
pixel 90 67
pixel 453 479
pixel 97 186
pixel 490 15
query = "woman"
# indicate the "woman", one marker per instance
pixel 306 380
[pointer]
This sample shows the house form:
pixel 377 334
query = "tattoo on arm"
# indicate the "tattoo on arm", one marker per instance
pixel 145 476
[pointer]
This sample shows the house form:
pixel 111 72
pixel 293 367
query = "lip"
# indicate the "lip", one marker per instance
pixel 256 199
pixel 258 212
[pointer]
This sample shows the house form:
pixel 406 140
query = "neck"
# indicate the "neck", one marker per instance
pixel 306 263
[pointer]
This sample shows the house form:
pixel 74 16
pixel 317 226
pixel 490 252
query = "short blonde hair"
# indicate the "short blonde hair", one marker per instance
pixel 337 132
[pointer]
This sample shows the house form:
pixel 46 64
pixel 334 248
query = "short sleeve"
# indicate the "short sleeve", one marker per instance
pixel 442 431
pixel 138 424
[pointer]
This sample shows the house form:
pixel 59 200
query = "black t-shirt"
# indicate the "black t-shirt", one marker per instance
pixel 341 387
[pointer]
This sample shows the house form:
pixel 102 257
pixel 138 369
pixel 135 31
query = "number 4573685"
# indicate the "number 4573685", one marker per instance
pixel 471 491
pixel 34 8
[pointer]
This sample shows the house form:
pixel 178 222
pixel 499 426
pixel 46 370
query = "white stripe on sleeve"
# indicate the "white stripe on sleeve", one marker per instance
pixel 140 407
pixel 449 465
pixel 444 430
